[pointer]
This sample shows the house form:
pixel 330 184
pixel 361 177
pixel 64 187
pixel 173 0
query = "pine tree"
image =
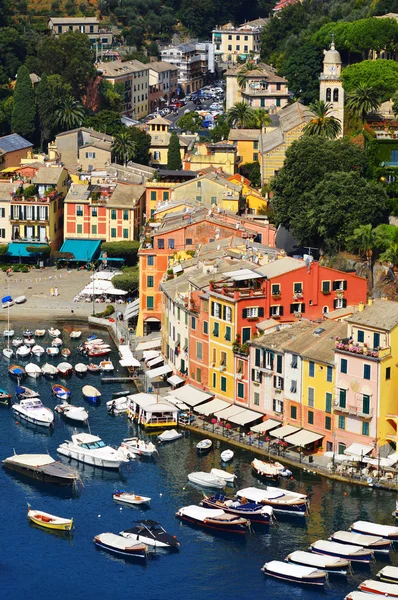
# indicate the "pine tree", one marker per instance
pixel 24 112
pixel 45 111
pixel 174 153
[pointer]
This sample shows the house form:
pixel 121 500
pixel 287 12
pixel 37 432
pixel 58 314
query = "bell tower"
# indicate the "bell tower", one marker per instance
pixel 330 87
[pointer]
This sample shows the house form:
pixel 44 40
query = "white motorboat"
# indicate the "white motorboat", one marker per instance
pixel 29 341
pixel 373 542
pixel 8 332
pixel 91 450
pixel 65 368
pixel 38 350
pixel 75 335
pixel 228 477
pixel 152 534
pixel 54 333
pixel 206 480
pixel 388 590
pixel 169 435
pixel 120 546
pixel 17 342
pixel 57 342
pixel 118 406
pixel 20 299
pixel 130 498
pixel 134 445
pixel 294 573
pixel 213 518
pixel 106 365
pixel 356 595
pixel 33 370
pixel 8 352
pixel 74 413
pixel 330 564
pixel 81 368
pixel 22 351
pixel 353 553
pixel 33 411
pixel 40 332
pixel 385 531
pixel 52 351
pixel 49 370
pixel 270 469
pixel 204 446
pixel 227 455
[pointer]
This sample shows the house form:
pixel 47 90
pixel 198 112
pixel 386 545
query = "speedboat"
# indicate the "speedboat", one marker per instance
pixel 294 573
pixel 356 595
pixel 33 370
pixel 33 411
pixel 352 553
pixel 44 519
pixel 227 455
pixel 330 564
pixel 270 469
pixel 24 393
pixel 152 534
pixel 65 352
pixel 42 468
pixel 49 370
pixel 228 477
pixel 204 446
pixel 52 351
pixel 91 393
pixel 22 351
pixel 81 369
pixel 29 341
pixel 98 352
pixel 91 450
pixel 57 342
pixel 8 352
pixel 375 543
pixel 17 342
pixel 74 335
pixel 118 406
pixel 130 498
pixel 54 333
pixel 282 501
pixel 136 446
pixel 215 519
pixel 206 480
pixel 8 332
pixel 37 350
pixel 74 413
pixel 121 546
pixel 369 528
pixel 60 391
pixel 106 365
pixel 94 368
pixel 169 435
pixel 5 398
pixel 256 513
pixel 64 369
pixel 388 574
pixel 16 371
pixel 40 332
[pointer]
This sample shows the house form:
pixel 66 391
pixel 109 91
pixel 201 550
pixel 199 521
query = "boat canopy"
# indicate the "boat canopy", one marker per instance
pixel 302 438
pixel 191 395
pixel 283 568
pixel 31 460
pixel 201 514
pixel 266 426
pixel 256 495
pixel 342 549
pixel 374 528
pixel 317 560
pixel 208 408
pixel 6 299
pixel 389 571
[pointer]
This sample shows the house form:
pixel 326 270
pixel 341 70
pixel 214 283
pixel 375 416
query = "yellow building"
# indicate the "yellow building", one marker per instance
pixel 212 189
pixel 221 337
pixel 220 155
pixel 134 75
pixel 247 142
pixel 237 43
pixel 256 204
pixel 160 140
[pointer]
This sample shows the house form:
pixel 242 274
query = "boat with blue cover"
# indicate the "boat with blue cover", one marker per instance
pixel 16 371
pixel 5 398
pixel 60 391
pixel 253 511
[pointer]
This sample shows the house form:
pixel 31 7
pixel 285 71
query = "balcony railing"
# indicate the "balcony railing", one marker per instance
pixel 355 411
pixel 362 350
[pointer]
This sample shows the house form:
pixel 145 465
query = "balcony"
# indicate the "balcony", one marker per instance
pixel 354 411
pixel 346 346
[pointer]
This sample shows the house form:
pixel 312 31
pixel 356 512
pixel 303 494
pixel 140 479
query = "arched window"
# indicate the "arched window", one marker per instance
pixel 328 95
pixel 325 310
pixel 336 95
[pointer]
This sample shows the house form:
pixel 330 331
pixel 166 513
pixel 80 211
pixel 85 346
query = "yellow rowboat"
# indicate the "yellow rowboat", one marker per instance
pixel 48 521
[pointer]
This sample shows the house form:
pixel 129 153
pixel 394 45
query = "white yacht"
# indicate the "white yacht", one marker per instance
pixel 33 411
pixel 91 450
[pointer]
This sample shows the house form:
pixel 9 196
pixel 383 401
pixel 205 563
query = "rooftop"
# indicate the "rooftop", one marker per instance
pixel 116 68
pixel 125 195
pixel 161 66
pixel 92 132
pixel 280 267
pixel 13 142
pixel 73 20
pixel 237 135
pixel 48 175
pixel 381 314
pixel 322 347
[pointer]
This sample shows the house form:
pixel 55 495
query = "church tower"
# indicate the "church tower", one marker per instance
pixel 331 88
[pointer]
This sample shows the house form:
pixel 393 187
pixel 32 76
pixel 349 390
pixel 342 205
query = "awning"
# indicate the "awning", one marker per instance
pixel 82 250
pixel 191 395
pixel 158 372
pixel 18 249
pixel 149 354
pixel 155 361
pixel 132 310
pixel 178 403
pixel 302 438
pixel 244 417
pixel 150 345
pixel 152 320
pixel 229 412
pixel 210 407
pixel 282 432
pixel 266 426
pixel 175 380
pixel 359 450
pixel 129 362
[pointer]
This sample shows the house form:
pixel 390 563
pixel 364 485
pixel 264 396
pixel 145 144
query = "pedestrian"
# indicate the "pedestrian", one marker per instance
pixel 52 291
pixel 9 271
pixel 56 291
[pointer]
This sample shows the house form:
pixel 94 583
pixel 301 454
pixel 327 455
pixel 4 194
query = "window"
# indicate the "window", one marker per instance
pixel 278 382
pixel 340 284
pixel 170 244
pixel 125 234
pixel 2 233
pixel 257 357
pixel 257 375
pixel 311 395
pixel 298 288
pixel 198 374
pixel 293 386
pixel 246 334
pixel 310 417
pixel 366 404
pixel 326 287
pixel 113 232
pixel 343 398
pixel 365 428
pixel 329 374
pixel 311 369
pixel 360 336
pixel 343 365
pixel 199 199
pixel 376 340
pixel 93 211
pixel 214 200
pixel 151 261
pixel 339 303
pixel 278 102
pixel 90 154
pixel 252 312
pixel 165 196
pixel 230 46
pixel 223 359
pixel 113 214
pixel 366 371
pixel 79 228
pixel 256 398
pixel 125 215
pixel 228 333
pixel 94 229
pixel 341 422
pixel 216 330
pixel 297 307
pixel 149 281
pixel 255 156
pixel 276 289
pixel 341 448
pixel 294 362
pixel 188 241
pixel 276 311
pixel 388 373
pixel 223 384
pixel 335 95
pixel 161 244
pixel 240 366
pixel 328 94
pixel 255 145
pixel 205 327
pixel 328 403
pixel 214 380
pixel 293 412
pixel 227 314
pixel 241 390
pixel 216 310
pixel 149 302
pixel 279 363
pixel 328 423
pixel 277 406
pixel 153 195
pixel 199 350
pixel 79 211
pixel 193 323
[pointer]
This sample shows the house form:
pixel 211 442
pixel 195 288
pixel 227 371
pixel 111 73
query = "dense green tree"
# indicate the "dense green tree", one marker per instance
pixel 69 114
pixel 12 52
pixel 6 106
pixel 190 122
pixel 379 74
pixel 106 121
pixel 45 111
pixel 301 67
pixel 24 108
pixel 221 130
pixel 291 21
pixel 391 255
pixel 112 96
pixel 143 144
pixel 124 148
pixel 363 100
pixel 322 123
pixel 240 115
pixel 174 153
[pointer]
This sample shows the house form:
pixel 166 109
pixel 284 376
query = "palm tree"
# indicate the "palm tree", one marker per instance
pixel 322 123
pixel 240 115
pixel 243 73
pixel 391 255
pixel 70 113
pixel 124 148
pixel 363 100
pixel 260 118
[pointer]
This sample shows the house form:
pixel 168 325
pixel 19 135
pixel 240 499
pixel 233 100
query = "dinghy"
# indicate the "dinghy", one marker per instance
pixel 388 590
pixel 256 513
pixel 121 546
pixel 118 406
pixel 33 370
pixel 329 564
pixel 81 369
pixel 98 352
pixel 388 574
pixel 40 332
pixel 94 368
pixel 268 470
pixel 17 342
pixel 48 521
pixel 49 370
pixel 20 300
pixel 27 333
pixel 227 455
pixel 8 352
pixel 8 333
pixel 29 341
pixel 352 553
pixel 74 413
pixel 294 573
pixel 106 365
pixel 169 435
pixel 130 498
pixel 204 446
pixel 65 352
pixel 5 398
pixel 373 542
pixel 228 477
pixel 23 393
pixel 52 351
pixel 136 446
pixel 369 528
pixel 22 351
pixel 206 480
pixel 16 371
pixel 37 350
pixel 60 391
pixel 215 519
pixel 91 393
pixel 34 412
pixel 282 501
pixel 7 301
pixel 152 534
pixel 57 342
pixel 54 332
pixel 74 335
pixel 64 369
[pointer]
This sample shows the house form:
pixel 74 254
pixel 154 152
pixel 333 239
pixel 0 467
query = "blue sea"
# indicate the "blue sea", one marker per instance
pixel 37 564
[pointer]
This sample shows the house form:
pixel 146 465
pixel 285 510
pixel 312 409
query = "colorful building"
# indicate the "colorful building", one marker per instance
pixel 247 142
pixel 134 76
pixel 158 129
pixel 13 148
pixel 163 84
pixel 211 190
pixel 262 87
pixel 234 44
pixel 218 155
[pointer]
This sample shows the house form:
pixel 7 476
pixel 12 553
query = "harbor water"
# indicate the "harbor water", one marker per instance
pixel 39 564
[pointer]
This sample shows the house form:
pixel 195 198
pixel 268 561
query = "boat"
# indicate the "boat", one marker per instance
pixel 20 300
pixel 16 371
pixel 130 498
pixel 54 333
pixel 27 333
pixel 74 335
pixel 74 413
pixel 29 341
pixel 37 350
pixel 367 527
pixel 329 564
pixel 356 595
pixel 352 553
pixel 8 352
pixel 152 534
pixel 49 370
pixel 8 332
pixel 169 435
pixel 282 501
pixel 7 301
pixel 33 411
pixel 227 455
pixel 81 368
pixel 40 332
pixel 92 337
pixel 206 480
pixel 44 519
pixel 215 519
pixel 204 446
pixel 52 351
pixel 64 369
pixel 5 398
pixel 121 546
pixel 94 368
pixel 91 393
pixel 17 342
pixel 388 574
pixel 373 542
pixel 33 370
pixel 98 352
pixel 269 470
pixel 294 573
pixel 24 393
pixel 57 342
pixel 22 351
pixel 106 365
pixel 388 590
pixel 60 391
pixel 118 406
pixel 256 513
pixel 91 450
pixel 136 446
pixel 228 477
pixel 65 352
pixel 41 467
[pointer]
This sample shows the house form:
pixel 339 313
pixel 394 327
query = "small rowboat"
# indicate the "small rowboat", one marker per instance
pixel 99 352
pixel 40 332
pixel 27 333
pixel 29 341
pixel 294 573
pixel 106 365
pixel 8 352
pixel 389 590
pixel 227 455
pixel 206 480
pixel 373 542
pixel 60 391
pixel 7 301
pixel 330 564
pixel 204 446
pixel 64 369
pixel 74 413
pixel 388 574
pixel 52 351
pixel 228 477
pixel 369 528
pixel 81 369
pixel 91 393
pixel 57 342
pixel 16 371
pixel 54 332
pixel 8 332
pixel 37 350
pixel 5 398
pixel 48 521
pixel 33 370
pixel 49 370
pixel 256 513
pixel 269 470
pixel 20 300
pixel 94 368
pixel 121 546
pixel 215 519
pixel 353 553
pixel 65 352
pixel 134 445
pixel 24 393
pixel 23 351
pixel 130 498
pixel 17 342
pixel 169 435
pixel 74 335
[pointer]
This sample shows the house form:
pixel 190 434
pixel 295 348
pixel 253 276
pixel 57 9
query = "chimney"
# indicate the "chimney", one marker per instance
pixel 370 301
pixel 360 307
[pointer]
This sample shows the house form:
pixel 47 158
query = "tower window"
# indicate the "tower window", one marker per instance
pixel 335 95
pixel 328 95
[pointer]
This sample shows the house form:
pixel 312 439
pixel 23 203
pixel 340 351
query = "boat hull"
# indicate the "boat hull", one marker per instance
pixel 319 581
pixel 94 461
pixel 365 558
pixel 30 419
pixel 67 526
pixel 392 537
pixel 137 554
pixel 40 475
pixel 235 528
